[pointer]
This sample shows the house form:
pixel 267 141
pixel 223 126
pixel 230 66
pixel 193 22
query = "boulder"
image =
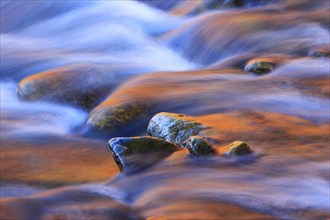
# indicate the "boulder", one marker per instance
pixel 173 127
pixel 259 67
pixel 131 153
pixel 237 148
pixel 81 85
pixel 199 146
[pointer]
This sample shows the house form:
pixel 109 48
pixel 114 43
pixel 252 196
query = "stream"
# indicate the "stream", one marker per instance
pixel 186 57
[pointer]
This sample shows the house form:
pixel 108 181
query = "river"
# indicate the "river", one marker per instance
pixel 176 56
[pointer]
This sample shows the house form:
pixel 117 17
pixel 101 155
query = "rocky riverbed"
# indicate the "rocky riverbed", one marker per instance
pixel 152 109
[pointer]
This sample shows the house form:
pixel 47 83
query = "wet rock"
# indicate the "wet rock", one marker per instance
pixel 138 152
pixel 321 52
pixel 259 67
pixel 240 61
pixel 245 3
pixel 237 148
pixel 199 146
pixel 173 127
pixel 82 85
pixel 108 119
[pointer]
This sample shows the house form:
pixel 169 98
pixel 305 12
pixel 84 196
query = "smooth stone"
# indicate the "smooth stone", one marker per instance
pixel 237 148
pixel 173 127
pixel 259 67
pixel 109 119
pixel 81 85
pixel 132 153
pixel 199 146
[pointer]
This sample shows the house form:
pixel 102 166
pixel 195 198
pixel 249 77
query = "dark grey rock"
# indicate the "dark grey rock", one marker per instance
pixel 199 146
pixel 138 152
pixel 259 67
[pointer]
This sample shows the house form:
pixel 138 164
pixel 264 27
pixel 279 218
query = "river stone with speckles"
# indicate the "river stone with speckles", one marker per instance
pixel 174 127
pixel 237 148
pixel 259 67
pixel 131 153
pixel 199 146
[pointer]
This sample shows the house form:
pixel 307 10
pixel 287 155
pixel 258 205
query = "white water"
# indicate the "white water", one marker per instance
pixel 33 119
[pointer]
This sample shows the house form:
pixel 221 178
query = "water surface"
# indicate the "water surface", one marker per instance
pixel 185 57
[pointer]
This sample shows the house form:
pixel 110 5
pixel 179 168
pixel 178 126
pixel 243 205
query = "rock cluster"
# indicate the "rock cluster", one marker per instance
pixel 169 132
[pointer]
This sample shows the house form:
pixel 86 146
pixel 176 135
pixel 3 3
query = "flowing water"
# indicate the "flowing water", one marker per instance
pixel 177 56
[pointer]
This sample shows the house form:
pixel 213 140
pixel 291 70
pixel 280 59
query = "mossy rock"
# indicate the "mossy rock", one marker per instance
pixel 108 119
pixel 81 85
pixel 199 146
pixel 174 127
pixel 237 148
pixel 132 153
pixel 259 67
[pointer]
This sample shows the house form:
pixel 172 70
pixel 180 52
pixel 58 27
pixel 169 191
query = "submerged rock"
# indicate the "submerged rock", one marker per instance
pixel 321 52
pixel 259 67
pixel 138 152
pixel 173 127
pixel 237 148
pixel 157 218
pixel 109 119
pixel 199 146
pixel 216 36
pixel 82 85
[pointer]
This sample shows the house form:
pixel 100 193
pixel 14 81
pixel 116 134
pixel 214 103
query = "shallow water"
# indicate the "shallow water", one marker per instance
pixel 186 57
